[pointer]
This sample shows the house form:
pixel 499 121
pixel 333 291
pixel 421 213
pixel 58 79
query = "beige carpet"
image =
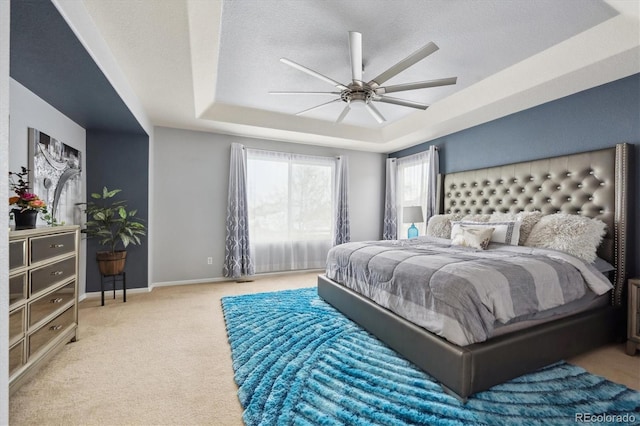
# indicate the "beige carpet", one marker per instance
pixel 162 358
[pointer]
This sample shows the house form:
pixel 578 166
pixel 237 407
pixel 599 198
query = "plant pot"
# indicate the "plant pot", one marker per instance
pixel 111 263
pixel 25 219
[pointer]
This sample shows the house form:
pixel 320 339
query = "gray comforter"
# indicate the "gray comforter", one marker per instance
pixel 457 292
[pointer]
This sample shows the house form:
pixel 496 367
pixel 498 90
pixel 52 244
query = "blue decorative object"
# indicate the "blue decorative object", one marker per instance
pixel 299 361
pixel 412 214
pixel 413 231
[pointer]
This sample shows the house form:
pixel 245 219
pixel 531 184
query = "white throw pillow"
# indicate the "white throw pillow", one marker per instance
pixel 528 221
pixel 579 236
pixel 503 232
pixel 471 236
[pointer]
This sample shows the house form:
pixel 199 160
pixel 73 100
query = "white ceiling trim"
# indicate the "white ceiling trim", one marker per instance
pixel 204 36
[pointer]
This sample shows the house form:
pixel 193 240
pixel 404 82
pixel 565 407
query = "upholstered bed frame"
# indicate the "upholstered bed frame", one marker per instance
pixel 592 184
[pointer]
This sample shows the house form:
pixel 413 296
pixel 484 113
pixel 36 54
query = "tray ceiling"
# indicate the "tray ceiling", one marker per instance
pixel 209 65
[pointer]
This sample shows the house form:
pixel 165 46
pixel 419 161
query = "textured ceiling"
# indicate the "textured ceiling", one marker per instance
pixel 209 65
pixel 476 39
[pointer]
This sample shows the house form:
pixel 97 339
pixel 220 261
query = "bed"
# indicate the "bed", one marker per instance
pixel 591 184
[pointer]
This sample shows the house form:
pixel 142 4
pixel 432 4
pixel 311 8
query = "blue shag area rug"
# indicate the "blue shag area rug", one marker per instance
pixel 299 361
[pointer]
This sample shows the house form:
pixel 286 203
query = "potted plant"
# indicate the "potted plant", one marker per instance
pixel 115 227
pixel 26 204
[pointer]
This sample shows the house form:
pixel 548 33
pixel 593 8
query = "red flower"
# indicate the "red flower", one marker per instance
pixel 28 196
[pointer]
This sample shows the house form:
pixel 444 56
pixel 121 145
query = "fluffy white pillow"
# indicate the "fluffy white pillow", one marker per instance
pixel 528 221
pixel 577 235
pixel 470 236
pixel 503 232
pixel 440 225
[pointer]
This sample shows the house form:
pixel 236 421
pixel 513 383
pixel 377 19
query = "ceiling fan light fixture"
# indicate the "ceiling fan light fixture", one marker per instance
pixel 357 103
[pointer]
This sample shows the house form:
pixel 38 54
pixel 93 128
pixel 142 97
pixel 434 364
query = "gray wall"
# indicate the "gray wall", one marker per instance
pixel 29 110
pixel 190 178
pixel 593 119
pixel 120 161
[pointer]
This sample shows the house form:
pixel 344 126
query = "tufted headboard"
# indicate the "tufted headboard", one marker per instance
pixel 592 184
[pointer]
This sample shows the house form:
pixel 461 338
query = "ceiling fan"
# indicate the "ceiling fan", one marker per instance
pixel 359 92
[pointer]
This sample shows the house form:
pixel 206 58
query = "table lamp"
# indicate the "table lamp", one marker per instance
pixel 412 214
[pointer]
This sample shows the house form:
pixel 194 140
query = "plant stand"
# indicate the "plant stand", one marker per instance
pixel 122 277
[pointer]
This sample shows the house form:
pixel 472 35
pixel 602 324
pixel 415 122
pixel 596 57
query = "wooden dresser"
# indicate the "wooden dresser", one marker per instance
pixel 43 297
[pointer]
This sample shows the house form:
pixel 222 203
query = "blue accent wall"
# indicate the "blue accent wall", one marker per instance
pixel 120 161
pixel 593 119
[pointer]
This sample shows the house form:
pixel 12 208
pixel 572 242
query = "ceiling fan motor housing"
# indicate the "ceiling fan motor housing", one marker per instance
pixel 357 93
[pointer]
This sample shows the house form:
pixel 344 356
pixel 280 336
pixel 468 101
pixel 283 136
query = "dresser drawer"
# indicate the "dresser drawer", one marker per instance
pixel 16 325
pixel 50 331
pixel 50 303
pixel 16 357
pixel 17 254
pixel 43 248
pixel 17 288
pixel 50 275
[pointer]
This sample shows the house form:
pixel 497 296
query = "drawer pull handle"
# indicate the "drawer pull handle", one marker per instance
pixel 56 273
pixel 56 246
pixel 55 327
pixel 56 300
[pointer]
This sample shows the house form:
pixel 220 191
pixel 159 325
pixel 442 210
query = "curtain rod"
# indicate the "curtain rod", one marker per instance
pixel 435 147
pixel 292 153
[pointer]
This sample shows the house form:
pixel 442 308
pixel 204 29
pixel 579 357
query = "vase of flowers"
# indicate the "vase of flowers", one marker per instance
pixel 26 204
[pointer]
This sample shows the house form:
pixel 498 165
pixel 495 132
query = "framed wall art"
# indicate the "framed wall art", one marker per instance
pixel 55 175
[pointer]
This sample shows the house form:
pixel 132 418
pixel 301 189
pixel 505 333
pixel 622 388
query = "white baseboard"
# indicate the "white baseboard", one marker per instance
pixel 225 279
pixel 95 294
pixel 109 293
pixel 188 282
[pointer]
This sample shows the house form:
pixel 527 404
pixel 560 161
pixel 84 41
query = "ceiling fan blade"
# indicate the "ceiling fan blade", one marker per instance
pixel 418 85
pixel 401 102
pixel 313 73
pixel 415 57
pixel 318 106
pixel 305 93
pixel 375 113
pixel 355 48
pixel 343 114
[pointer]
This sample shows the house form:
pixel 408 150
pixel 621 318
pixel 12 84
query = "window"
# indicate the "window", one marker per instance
pixel 290 204
pixel 415 186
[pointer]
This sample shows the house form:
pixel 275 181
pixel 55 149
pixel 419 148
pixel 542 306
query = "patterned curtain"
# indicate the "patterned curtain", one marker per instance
pixel 341 233
pixel 237 259
pixel 433 168
pixel 389 227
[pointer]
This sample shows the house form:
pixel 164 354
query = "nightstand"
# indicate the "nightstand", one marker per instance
pixel 633 328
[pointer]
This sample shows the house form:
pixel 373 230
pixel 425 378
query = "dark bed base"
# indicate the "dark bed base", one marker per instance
pixel 463 371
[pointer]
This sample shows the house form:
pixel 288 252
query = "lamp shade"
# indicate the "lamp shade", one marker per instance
pixel 412 214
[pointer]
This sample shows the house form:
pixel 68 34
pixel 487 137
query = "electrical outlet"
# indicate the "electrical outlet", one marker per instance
pixel 209 260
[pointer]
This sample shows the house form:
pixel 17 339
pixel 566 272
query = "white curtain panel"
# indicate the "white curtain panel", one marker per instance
pixel 433 169
pixel 237 259
pixel 341 231
pixel 291 213
pixel 415 185
pixel 389 226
